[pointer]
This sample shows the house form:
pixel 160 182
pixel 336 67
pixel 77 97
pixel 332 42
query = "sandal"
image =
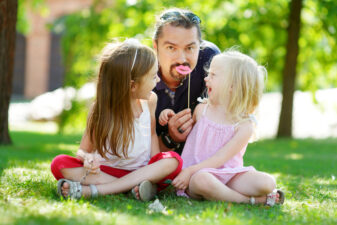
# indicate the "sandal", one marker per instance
pixel 75 189
pixel 271 198
pixel 147 191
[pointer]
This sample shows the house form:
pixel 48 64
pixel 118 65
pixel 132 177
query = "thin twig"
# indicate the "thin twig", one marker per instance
pixel 189 84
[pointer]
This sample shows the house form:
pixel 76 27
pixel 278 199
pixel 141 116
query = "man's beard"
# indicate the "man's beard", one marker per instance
pixel 175 75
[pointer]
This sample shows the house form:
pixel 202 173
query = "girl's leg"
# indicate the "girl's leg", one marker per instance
pixel 239 189
pixel 252 183
pixel 71 168
pixel 154 172
pixel 205 185
pixel 76 174
pixel 162 184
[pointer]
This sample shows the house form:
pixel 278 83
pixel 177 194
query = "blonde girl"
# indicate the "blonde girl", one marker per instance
pixel 213 155
pixel 119 150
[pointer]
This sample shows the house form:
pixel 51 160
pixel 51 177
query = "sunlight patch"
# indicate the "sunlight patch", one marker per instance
pixel 68 147
pixel 43 165
pixel 277 175
pixel 65 209
pixel 294 156
pixel 24 174
pixel 62 146
pixel 324 181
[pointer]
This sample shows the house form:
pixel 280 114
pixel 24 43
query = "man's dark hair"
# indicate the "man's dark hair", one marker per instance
pixel 177 18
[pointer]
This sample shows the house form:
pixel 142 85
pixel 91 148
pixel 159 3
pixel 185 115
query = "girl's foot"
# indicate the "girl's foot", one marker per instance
pixel 72 189
pixel 145 191
pixel 276 197
pixel 135 192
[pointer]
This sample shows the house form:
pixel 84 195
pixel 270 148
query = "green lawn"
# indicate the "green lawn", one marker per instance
pixel 305 170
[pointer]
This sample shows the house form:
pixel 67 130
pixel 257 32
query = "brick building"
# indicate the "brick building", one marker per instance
pixel 38 63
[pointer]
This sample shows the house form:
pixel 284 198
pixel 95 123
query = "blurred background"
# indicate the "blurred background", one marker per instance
pixel 58 41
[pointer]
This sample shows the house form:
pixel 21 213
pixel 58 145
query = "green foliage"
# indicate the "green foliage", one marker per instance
pixel 72 120
pixel 305 170
pixel 259 27
pixel 36 6
pixel 317 62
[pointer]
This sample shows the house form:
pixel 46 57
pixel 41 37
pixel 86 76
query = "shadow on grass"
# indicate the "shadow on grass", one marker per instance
pixel 180 208
pixel 43 220
pixel 299 163
pixel 35 147
pixel 294 157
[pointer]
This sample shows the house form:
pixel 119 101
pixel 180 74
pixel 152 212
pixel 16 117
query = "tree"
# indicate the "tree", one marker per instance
pixel 8 17
pixel 259 27
pixel 289 72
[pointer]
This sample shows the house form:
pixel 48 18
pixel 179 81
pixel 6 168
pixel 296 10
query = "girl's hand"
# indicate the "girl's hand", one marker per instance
pixel 165 116
pixel 182 181
pixel 91 163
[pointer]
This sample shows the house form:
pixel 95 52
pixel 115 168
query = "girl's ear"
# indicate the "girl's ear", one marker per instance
pixel 133 86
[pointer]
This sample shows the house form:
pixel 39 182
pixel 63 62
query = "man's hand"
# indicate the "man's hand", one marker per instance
pixel 180 125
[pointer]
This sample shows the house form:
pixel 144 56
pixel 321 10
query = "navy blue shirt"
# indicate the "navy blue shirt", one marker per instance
pixel 179 101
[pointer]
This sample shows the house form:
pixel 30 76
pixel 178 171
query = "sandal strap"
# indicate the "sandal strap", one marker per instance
pixel 75 190
pixel 94 191
pixel 252 200
pixel 271 198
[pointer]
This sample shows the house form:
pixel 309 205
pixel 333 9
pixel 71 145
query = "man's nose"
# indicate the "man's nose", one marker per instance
pixel 181 58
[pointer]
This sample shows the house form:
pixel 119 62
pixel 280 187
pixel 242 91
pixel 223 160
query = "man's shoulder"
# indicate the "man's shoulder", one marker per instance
pixel 208 48
pixel 207 51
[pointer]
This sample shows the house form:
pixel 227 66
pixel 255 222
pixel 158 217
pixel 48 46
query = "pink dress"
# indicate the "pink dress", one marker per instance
pixel 205 139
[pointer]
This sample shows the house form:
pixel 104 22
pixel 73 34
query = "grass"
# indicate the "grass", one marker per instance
pixel 305 170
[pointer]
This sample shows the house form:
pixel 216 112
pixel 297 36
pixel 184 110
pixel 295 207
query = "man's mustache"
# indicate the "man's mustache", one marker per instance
pixel 178 64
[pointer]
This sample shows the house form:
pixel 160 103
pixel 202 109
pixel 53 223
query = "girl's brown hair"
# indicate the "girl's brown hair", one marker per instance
pixel 110 123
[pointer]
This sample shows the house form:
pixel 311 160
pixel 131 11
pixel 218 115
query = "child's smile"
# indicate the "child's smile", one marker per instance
pixel 209 90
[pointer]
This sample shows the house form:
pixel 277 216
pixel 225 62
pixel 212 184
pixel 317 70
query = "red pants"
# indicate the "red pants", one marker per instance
pixel 66 161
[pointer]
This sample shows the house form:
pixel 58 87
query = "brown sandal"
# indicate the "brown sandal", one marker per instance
pixel 147 191
pixel 271 198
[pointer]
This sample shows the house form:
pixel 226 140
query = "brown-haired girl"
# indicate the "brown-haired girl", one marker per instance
pixel 119 150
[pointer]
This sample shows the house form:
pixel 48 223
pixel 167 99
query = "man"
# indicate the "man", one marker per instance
pixel 177 40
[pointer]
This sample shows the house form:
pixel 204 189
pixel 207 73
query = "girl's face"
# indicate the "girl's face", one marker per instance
pixel 214 80
pixel 144 87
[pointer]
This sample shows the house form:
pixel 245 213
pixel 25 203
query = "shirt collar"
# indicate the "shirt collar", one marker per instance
pixel 161 84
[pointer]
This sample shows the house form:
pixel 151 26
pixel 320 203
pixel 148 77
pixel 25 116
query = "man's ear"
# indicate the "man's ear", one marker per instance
pixel 154 43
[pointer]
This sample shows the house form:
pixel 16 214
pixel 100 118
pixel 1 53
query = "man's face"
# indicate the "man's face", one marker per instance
pixel 176 46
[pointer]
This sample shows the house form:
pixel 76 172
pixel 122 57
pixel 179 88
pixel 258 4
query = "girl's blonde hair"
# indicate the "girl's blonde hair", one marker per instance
pixel 110 123
pixel 244 80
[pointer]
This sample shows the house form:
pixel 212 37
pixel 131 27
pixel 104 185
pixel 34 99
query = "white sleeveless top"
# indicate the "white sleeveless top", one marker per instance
pixel 139 153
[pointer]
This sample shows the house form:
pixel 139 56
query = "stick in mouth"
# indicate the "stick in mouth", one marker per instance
pixel 186 70
pixel 183 69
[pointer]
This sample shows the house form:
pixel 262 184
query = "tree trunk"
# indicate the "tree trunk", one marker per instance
pixel 289 72
pixel 8 16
